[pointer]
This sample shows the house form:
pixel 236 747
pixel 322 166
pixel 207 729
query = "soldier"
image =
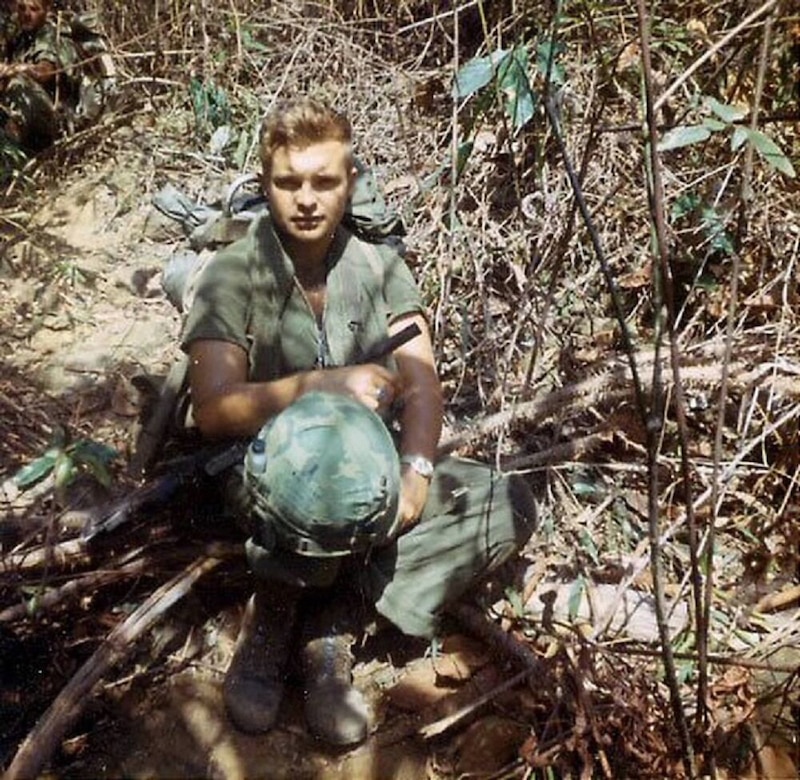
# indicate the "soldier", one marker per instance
pixel 276 336
pixel 37 78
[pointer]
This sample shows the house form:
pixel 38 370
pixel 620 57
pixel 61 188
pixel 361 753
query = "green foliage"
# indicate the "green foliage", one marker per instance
pixel 68 271
pixel 721 118
pixel 576 592
pixel 66 460
pixel 711 221
pixel 251 44
pixel 589 546
pixel 514 598
pixel 212 113
pixel 12 158
pixel 507 71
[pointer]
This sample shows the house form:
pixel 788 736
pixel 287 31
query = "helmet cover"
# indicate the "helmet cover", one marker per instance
pixel 331 482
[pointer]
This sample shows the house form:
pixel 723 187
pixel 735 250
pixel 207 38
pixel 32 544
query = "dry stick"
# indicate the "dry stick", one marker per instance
pixel 719 660
pixel 563 240
pixel 664 290
pixel 437 17
pixel 91 581
pixel 708 557
pixel 62 555
pixel 712 51
pixel 43 740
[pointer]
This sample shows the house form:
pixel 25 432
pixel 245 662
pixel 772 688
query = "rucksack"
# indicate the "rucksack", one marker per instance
pixel 209 227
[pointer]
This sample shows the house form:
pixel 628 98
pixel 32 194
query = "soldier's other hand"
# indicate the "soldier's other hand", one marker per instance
pixel 374 386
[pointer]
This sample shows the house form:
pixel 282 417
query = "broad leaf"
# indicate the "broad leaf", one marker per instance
pixel 728 114
pixel 588 545
pixel 771 152
pixel 64 470
pixel 683 135
pixel 547 57
pixel 477 73
pixel 519 100
pixel 34 471
pixel 738 138
pixel 96 458
pixel 714 124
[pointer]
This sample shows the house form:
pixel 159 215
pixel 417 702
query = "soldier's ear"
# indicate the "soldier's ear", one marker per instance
pixel 351 184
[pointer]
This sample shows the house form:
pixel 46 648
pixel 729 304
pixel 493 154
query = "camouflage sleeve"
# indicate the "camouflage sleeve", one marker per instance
pixel 52 45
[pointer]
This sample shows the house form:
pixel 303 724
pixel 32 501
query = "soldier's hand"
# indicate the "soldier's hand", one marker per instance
pixel 413 495
pixel 374 386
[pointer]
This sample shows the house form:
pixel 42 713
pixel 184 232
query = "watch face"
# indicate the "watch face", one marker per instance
pixel 421 465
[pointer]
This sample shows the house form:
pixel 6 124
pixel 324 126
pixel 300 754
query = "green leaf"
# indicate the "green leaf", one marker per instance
pixel 738 138
pixel 575 596
pixel 251 44
pixel 771 152
pixel 36 470
pixel 519 99
pixel 683 135
pixel 713 224
pixel 85 448
pixel 514 598
pixel 64 470
pixel 684 204
pixel 587 543
pixel 547 56
pixel 685 670
pixel 477 73
pixel 581 488
pixel 714 125
pixel 462 155
pixel 728 114
pixel 97 468
pixel 96 457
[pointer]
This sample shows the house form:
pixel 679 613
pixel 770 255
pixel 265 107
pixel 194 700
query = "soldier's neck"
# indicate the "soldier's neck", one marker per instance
pixel 310 261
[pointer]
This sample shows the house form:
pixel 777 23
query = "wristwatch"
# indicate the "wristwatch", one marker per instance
pixel 419 463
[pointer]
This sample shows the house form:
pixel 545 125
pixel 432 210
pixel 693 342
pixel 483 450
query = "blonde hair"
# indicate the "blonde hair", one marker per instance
pixel 300 123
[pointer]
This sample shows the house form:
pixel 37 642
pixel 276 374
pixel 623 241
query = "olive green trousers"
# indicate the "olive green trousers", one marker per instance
pixel 475 518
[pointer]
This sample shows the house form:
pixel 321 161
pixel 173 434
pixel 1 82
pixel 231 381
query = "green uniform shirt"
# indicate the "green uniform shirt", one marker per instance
pixel 247 295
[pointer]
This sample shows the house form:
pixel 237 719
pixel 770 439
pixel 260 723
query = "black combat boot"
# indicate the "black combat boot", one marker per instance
pixel 335 711
pixel 254 683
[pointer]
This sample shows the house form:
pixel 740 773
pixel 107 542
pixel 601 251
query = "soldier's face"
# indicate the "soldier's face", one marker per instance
pixel 31 14
pixel 308 188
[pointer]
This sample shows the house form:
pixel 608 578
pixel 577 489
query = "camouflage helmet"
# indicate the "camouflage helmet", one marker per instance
pixel 324 477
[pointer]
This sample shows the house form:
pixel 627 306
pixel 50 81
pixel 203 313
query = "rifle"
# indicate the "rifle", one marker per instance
pixel 209 461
